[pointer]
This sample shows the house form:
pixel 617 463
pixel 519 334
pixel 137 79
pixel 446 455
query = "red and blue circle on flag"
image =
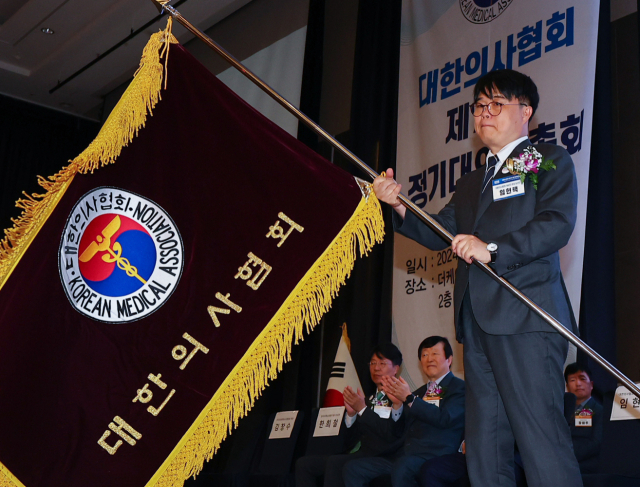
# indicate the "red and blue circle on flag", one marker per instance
pixel 109 256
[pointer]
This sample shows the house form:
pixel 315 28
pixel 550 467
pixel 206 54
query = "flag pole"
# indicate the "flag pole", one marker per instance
pixel 163 5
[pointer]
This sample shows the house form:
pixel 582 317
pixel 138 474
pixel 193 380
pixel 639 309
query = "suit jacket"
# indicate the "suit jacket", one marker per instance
pixel 587 440
pixel 430 430
pixel 377 435
pixel 529 231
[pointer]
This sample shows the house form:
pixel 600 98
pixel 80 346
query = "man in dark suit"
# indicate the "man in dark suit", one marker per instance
pixel 512 358
pixel 365 423
pixel 431 419
pixel 586 430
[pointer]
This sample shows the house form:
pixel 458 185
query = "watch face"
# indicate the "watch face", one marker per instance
pixel 492 247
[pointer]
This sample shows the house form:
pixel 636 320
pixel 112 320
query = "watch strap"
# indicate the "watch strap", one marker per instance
pixel 409 399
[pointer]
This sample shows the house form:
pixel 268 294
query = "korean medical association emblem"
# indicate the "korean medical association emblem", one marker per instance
pixel 483 11
pixel 120 256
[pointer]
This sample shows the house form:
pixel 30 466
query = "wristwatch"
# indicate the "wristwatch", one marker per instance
pixel 492 247
pixel 409 399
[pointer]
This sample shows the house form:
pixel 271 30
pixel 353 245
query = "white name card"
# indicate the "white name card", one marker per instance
pixel 383 411
pixel 329 421
pixel 508 187
pixel 584 421
pixel 432 400
pixel 283 424
pixel 625 405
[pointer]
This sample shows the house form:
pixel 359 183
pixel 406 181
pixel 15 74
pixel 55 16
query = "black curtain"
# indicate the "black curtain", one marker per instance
pixel 597 309
pixel 311 89
pixel 35 141
pixel 365 302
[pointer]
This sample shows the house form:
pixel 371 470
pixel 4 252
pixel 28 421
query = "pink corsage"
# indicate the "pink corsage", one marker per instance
pixel 585 412
pixel 529 164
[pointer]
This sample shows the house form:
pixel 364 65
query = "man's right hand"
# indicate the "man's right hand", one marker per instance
pixel 387 190
pixel 353 400
pixel 350 411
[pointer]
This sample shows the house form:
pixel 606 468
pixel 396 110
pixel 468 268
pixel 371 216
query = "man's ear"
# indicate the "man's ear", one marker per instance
pixel 528 113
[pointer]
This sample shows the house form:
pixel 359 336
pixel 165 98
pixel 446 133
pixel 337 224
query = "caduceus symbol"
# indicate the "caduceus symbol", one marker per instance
pixel 103 243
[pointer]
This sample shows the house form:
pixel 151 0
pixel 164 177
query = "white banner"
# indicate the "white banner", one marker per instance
pixel 280 66
pixel 446 46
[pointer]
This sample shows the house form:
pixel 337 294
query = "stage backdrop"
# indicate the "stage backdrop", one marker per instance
pixel 268 37
pixel 446 46
pixel 160 282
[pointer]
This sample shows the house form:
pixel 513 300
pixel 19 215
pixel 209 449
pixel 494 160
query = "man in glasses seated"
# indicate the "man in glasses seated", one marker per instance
pixel 368 432
pixel 430 420
pixel 514 215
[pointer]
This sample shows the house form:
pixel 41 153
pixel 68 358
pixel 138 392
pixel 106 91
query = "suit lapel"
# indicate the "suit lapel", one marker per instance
pixel 588 404
pixel 485 199
pixel 444 383
pixel 476 194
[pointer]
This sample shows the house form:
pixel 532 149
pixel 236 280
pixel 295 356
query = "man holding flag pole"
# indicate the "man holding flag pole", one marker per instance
pixel 514 214
pixel 125 436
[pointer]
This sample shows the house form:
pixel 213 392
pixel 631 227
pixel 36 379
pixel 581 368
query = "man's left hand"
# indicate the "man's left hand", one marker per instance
pixel 396 387
pixel 468 247
pixel 397 401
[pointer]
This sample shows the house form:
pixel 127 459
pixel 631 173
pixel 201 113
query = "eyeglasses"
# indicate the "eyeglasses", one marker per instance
pixel 495 108
pixel 384 363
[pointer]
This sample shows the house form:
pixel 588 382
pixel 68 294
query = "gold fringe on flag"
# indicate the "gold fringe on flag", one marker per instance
pixel 7 479
pixel 304 308
pixel 128 116
pixel 308 302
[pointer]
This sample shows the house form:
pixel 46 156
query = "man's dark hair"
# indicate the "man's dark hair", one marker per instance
pixel 388 351
pixel 432 342
pixel 574 368
pixel 511 84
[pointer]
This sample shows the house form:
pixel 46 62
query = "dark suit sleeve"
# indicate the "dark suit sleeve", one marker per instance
pixel 351 435
pixel 448 415
pixel 555 216
pixel 413 228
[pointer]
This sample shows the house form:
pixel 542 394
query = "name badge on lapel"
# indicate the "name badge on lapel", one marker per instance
pixel 584 421
pixel 508 187
pixel 435 400
pixel 383 411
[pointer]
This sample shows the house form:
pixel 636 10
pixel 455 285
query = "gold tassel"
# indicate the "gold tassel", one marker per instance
pixel 272 348
pixel 128 116
pixel 7 479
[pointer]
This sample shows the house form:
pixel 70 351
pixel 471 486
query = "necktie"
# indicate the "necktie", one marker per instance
pixel 489 171
pixel 431 386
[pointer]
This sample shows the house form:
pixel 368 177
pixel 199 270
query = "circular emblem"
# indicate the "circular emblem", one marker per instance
pixel 483 11
pixel 120 256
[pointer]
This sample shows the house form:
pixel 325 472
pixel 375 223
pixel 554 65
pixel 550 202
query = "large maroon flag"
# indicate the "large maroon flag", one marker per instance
pixel 159 283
